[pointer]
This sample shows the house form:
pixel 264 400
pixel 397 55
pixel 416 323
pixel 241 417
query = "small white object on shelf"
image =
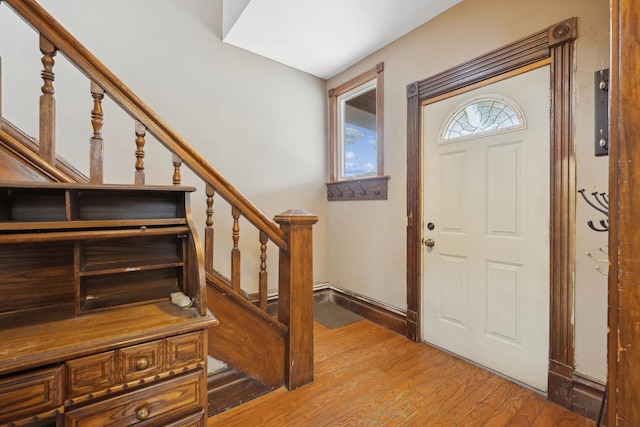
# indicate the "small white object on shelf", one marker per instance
pixel 181 300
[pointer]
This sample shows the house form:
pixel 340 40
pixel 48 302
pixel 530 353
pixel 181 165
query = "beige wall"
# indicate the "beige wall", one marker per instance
pixel 367 240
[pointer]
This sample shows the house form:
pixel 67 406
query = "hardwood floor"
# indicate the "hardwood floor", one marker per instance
pixel 366 375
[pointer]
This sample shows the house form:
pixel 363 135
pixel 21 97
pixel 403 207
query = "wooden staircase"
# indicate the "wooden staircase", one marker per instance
pixel 264 352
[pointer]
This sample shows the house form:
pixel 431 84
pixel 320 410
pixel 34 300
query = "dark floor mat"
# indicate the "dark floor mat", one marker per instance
pixel 333 316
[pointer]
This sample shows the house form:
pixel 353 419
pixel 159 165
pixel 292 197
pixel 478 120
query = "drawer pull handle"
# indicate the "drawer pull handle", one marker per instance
pixel 142 364
pixel 142 414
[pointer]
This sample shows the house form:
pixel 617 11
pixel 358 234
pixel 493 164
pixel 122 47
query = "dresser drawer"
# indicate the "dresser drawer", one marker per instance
pixel 140 361
pixel 91 373
pixel 156 404
pixel 185 349
pixel 30 394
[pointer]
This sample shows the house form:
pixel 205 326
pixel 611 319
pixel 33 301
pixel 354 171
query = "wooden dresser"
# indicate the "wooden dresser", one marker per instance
pixel 89 335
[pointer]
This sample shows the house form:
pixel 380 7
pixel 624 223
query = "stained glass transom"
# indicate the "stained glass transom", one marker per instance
pixel 482 116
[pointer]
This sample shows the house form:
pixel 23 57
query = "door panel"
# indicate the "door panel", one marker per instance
pixel 486 276
pixel 453 301
pixel 503 182
pixel 502 297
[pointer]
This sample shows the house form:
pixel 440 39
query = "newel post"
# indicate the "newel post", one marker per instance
pixel 295 299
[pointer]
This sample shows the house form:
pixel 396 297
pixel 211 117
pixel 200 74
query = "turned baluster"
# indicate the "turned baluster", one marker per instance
pixel 177 163
pixel 141 131
pixel 47 102
pixel 96 142
pixel 235 252
pixel 208 231
pixel 262 276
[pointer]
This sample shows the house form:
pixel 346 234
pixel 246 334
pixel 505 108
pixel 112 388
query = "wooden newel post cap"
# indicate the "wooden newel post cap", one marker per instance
pixel 296 216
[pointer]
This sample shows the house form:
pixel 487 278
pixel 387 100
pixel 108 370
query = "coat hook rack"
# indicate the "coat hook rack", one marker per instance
pixel 356 189
pixel 601 205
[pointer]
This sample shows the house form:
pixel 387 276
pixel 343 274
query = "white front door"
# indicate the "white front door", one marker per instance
pixel 486 212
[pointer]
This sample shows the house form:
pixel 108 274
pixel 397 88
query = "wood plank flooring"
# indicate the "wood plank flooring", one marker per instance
pixel 366 375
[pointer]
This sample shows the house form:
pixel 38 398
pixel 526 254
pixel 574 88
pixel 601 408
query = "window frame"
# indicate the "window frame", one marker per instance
pixel 364 187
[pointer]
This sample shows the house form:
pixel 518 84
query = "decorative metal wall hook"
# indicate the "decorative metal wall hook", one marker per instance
pixel 351 192
pixel 602 200
pixel 602 206
pixel 363 192
pixel 594 258
pixel 603 85
pixel 602 142
pixel 340 194
pixel 598 269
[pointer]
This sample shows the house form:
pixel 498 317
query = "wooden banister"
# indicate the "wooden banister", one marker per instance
pixel 91 67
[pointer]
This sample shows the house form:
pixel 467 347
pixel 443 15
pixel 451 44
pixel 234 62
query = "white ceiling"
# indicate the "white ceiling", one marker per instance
pixel 323 37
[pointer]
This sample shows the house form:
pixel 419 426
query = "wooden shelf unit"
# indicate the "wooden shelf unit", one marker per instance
pixel 87 328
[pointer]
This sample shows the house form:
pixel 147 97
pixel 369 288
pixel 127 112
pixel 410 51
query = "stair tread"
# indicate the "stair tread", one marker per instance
pixel 224 376
pixel 229 388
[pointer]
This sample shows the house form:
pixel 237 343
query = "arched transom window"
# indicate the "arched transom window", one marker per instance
pixel 482 116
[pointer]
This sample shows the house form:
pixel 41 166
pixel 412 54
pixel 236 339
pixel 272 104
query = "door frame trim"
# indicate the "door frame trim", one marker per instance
pixel 557 45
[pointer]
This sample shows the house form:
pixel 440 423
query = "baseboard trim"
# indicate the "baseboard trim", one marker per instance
pixel 374 311
pixel 586 396
pixel 574 390
pixel 560 383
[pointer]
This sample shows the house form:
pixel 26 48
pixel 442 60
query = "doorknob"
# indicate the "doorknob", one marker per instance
pixel 429 243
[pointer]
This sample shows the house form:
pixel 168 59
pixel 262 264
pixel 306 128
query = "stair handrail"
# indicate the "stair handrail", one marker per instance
pixel 94 69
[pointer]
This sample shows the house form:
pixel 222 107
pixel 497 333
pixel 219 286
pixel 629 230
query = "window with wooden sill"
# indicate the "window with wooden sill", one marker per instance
pixel 356 139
